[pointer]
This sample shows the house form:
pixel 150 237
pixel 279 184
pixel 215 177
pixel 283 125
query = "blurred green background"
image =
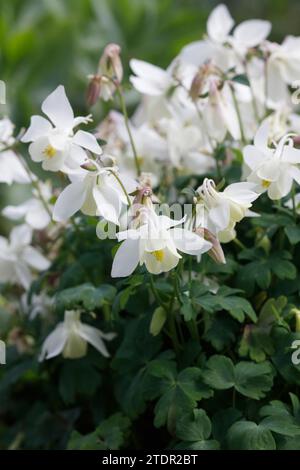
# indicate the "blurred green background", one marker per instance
pixel 48 42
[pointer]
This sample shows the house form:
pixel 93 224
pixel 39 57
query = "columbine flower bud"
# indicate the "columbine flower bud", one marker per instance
pixel 93 90
pixel 110 63
pixel 216 252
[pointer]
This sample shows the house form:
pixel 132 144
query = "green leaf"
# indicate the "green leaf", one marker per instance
pixel 249 379
pixel 194 427
pixel 158 320
pixel 279 419
pixel 85 296
pixel 293 234
pixel 242 79
pixel 180 394
pixel 109 435
pixel 247 435
pixel 220 372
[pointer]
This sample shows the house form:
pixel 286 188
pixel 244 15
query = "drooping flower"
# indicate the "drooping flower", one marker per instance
pixel 155 243
pixel 109 75
pixel 11 169
pixel 33 211
pixel 95 193
pixel 53 141
pixel 71 337
pixel 219 211
pixel 18 258
pixel 272 168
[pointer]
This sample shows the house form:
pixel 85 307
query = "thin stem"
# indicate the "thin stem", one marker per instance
pixel 155 292
pixel 126 119
pixel 239 244
pixel 122 186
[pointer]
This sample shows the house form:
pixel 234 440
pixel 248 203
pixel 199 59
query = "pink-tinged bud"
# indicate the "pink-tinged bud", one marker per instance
pixel 93 90
pixel 216 252
pixel 110 63
pixel 296 139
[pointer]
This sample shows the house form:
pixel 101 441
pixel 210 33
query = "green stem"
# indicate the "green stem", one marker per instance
pixel 122 186
pixel 126 119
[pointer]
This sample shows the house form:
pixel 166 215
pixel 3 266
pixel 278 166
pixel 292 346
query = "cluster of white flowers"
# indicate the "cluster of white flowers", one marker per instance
pixel 230 89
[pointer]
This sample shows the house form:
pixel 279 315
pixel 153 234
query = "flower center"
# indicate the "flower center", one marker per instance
pixel 159 254
pixel 49 151
pixel 265 183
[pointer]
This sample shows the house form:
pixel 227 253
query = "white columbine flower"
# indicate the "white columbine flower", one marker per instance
pixel 33 210
pixel 150 79
pixel 156 244
pixel 71 336
pixel 272 168
pixel 219 211
pixel 95 193
pixel 54 143
pixel 18 257
pixel 11 169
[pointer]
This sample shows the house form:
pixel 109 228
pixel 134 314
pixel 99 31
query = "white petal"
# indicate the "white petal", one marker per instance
pixel 108 203
pixel 38 218
pixel 21 235
pixel 290 154
pixel 11 169
pixel 14 212
pixel 269 171
pixel 219 23
pixel 126 259
pixel 23 274
pixel 242 193
pixel 168 261
pixel 69 201
pixel 39 127
pixel 57 107
pixel 253 157
pixel 37 149
pixel 189 242
pixel 87 141
pixel 294 172
pixel 220 215
pixel 35 259
pixel 262 136
pixel 94 337
pixel 54 343
pixel 250 33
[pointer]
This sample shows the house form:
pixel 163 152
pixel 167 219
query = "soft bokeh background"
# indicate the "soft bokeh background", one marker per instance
pixel 48 42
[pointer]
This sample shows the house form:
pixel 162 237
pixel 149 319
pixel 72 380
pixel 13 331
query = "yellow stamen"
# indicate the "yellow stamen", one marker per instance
pixel 159 254
pixel 49 151
pixel 265 183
